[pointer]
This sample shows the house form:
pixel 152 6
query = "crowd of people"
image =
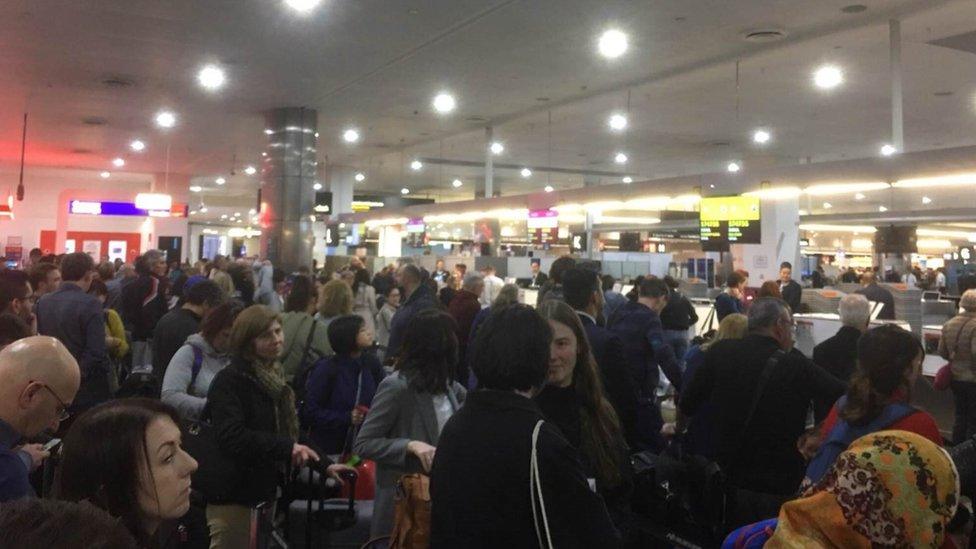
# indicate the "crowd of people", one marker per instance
pixel 187 395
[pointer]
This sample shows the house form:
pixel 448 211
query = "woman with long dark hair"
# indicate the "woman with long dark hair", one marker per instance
pixel 125 457
pixel 410 409
pixel 574 400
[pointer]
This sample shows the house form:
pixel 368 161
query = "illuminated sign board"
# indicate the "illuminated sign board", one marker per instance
pixel 416 226
pixel 543 219
pixel 96 207
pixel 728 220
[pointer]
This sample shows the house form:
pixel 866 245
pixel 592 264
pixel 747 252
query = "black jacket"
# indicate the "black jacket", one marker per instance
pixel 678 314
pixel 619 383
pixel 792 295
pixel 880 295
pixel 539 279
pixel 143 304
pixel 243 418
pixel 479 483
pixel 170 334
pixel 838 355
pixel 763 456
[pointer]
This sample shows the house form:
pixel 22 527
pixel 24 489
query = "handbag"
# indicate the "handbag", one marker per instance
pixel 943 378
pixel 216 475
pixel 411 521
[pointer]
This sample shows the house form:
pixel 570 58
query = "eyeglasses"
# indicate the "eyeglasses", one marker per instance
pixel 63 412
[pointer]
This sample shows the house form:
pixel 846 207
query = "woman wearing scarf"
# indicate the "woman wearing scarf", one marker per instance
pixel 889 489
pixel 252 410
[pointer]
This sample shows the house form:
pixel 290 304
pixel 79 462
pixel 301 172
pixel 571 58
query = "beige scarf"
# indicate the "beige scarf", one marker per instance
pixel 272 379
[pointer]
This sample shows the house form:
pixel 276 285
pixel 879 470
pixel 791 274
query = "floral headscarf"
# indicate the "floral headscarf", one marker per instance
pixel 888 489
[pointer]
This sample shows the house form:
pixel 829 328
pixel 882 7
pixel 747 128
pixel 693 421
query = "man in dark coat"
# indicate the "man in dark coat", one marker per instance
pixel 791 290
pixel 873 292
pixel 463 308
pixel 838 353
pixel 583 292
pixel 417 296
pixel 538 277
pixel 177 325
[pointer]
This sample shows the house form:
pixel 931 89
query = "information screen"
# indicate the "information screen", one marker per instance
pixel 728 220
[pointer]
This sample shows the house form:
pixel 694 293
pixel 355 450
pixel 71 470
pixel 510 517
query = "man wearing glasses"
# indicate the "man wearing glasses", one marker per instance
pixel 38 382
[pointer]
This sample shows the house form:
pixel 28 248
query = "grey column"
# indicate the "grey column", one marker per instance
pixel 287 195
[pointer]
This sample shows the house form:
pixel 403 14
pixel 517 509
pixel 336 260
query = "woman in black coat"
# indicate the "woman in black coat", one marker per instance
pixel 255 423
pixel 480 482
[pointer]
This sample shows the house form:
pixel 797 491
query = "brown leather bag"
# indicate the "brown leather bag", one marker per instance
pixel 411 523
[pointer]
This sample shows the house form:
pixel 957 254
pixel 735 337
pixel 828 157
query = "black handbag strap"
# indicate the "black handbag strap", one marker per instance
pixel 767 372
pixel 308 342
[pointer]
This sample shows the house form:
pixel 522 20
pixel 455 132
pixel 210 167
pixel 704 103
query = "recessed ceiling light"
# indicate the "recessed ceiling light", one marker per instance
pixel 882 209
pixel 828 77
pixel 497 148
pixel 628 179
pixel 252 211
pixel 612 43
pixel 549 188
pixel 733 167
pixel 859 196
pixel 926 200
pixel 220 181
pixel 303 6
pixel 617 122
pixel 250 170
pixel 105 175
pixel 456 183
pixel 444 103
pixel 827 205
pixel 118 162
pixel 761 136
pixel 196 188
pixel 165 119
pixel 317 186
pixel 404 191
pixel 351 135
pixel 620 158
pixel 416 165
pixel 268 131
pixel 888 150
pixel 360 176
pixel 526 173
pixel 211 77
pixel 237 214
pixel 137 146
pixel 224 216
pixel 203 209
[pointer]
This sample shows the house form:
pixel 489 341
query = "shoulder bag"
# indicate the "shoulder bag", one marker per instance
pixel 411 522
pixel 943 378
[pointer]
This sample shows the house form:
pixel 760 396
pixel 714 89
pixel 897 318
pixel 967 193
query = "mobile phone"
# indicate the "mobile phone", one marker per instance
pixel 52 444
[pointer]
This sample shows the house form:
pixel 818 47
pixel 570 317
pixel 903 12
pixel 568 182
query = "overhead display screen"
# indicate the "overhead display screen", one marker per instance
pixel 726 220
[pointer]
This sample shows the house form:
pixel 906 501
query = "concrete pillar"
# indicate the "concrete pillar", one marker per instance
pixel 287 196
pixel 780 235
pixel 342 184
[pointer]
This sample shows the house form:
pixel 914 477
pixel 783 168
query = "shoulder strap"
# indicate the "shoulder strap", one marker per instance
pixel 197 364
pixel 535 492
pixel 771 363
pixel 955 346
pixel 308 341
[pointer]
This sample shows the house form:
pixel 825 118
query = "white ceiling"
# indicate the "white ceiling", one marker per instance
pixel 376 65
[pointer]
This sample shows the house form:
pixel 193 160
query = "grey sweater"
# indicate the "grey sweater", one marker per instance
pixel 189 401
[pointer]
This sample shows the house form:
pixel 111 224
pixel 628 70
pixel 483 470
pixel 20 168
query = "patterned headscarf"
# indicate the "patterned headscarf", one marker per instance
pixel 888 489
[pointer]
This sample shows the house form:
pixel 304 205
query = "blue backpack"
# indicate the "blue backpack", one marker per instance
pixel 843 434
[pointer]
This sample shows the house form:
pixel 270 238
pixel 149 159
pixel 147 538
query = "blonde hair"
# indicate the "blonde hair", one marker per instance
pixel 968 300
pixel 335 299
pixel 733 326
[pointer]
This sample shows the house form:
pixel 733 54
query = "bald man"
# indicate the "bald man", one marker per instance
pixel 38 381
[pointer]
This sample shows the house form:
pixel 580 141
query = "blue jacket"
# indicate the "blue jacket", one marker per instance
pixel 422 298
pixel 618 382
pixel 75 319
pixel 330 396
pixel 645 347
pixel 702 436
pixel 725 305
pixel 14 466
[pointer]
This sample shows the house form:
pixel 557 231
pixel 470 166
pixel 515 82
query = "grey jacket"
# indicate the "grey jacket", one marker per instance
pixel 398 415
pixel 177 392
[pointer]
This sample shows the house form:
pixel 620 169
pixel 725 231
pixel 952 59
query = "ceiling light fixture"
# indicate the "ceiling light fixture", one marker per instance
pixel 351 135
pixel 118 162
pixel 620 158
pixel 627 179
pixel 733 167
pixel 137 146
pixel 220 181
pixel 926 200
pixel 775 193
pixel 882 209
pixel 105 175
pixel 827 205
pixel 360 177
pixel 617 122
pixel 444 103
pixel 165 119
pixel 549 188
pixel 612 43
pixel 859 196
pixel 526 173
pixel 939 181
pixel 761 136
pixel 416 165
pixel 195 188
pixel 252 211
pixel 888 150
pixel 828 77
pixel 404 191
pixel 224 216
pixel 250 170
pixel 456 183
pixel 268 131
pixel 829 189
pixel 211 77
pixel 497 148
pixel 317 186
pixel 303 6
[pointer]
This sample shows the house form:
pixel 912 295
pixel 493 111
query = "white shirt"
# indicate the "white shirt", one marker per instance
pixel 940 280
pixel 443 409
pixel 493 286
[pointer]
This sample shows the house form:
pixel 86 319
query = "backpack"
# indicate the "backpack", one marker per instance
pixel 139 384
pixel 843 434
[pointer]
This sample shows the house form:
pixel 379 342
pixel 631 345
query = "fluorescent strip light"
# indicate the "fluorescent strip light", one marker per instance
pixel 829 189
pixel 627 219
pixel 838 228
pixel 945 234
pixel 940 181
pixel 775 193
pixel 934 243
